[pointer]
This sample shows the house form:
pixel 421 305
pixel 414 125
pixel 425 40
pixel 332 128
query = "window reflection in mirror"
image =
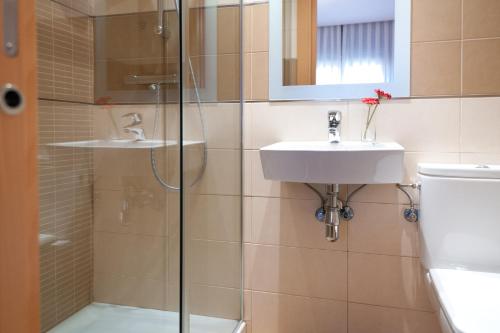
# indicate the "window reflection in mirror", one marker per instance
pixel 329 42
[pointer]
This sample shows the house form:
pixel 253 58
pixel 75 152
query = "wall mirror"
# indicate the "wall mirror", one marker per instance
pixel 338 49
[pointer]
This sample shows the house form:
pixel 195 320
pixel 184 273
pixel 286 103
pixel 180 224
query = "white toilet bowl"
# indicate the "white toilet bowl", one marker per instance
pixel 460 234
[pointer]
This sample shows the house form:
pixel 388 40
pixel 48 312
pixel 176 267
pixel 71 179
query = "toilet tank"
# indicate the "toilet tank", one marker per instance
pixel 459 216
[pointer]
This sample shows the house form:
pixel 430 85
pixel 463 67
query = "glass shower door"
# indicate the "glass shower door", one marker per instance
pixel 109 132
pixel 140 166
pixel 212 167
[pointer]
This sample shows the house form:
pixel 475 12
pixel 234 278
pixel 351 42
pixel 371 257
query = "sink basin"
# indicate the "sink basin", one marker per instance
pixel 319 162
pixel 123 144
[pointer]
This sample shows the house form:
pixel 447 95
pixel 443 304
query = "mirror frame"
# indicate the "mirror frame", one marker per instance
pixel 399 87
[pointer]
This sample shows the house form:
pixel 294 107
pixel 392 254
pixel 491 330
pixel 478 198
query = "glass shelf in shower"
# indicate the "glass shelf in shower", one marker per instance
pixel 124 144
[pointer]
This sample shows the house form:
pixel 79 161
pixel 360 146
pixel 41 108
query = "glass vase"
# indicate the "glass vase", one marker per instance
pixel 369 131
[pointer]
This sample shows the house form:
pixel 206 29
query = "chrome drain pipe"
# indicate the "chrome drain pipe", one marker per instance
pixel 332 218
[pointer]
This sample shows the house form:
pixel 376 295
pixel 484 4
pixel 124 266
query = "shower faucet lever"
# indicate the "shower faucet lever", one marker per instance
pixel 137 131
pixel 135 117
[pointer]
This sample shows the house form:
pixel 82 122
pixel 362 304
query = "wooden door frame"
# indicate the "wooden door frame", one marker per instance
pixel 19 249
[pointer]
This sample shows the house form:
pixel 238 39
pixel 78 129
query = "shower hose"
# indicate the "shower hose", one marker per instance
pixel 157 88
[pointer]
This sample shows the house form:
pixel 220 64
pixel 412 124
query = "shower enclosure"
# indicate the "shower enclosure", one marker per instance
pixel 140 166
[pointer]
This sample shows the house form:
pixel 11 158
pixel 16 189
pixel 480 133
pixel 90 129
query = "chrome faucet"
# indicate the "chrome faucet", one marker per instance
pixel 334 118
pixel 137 131
pixel 136 119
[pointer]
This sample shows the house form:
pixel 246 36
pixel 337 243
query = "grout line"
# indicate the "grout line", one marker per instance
pixel 330 250
pixel 339 300
pixel 462 48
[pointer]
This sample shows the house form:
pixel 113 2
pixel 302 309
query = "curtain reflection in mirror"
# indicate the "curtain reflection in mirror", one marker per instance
pixel 355 53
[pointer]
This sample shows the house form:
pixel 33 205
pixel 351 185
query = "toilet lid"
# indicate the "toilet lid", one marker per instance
pixel 471 300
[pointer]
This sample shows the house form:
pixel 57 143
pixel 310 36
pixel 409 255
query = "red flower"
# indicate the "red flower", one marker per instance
pixel 382 94
pixel 370 101
pixel 104 101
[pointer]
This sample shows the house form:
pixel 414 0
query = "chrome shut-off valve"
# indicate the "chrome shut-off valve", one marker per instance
pixel 410 214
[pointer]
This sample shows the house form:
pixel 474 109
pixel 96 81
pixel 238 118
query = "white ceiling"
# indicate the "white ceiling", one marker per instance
pixel 337 12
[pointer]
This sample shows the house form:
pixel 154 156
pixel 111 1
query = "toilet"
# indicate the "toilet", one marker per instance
pixel 460 236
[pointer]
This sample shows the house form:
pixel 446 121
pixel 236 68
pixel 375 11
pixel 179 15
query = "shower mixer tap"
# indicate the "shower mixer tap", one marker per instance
pixel 137 131
pixel 135 117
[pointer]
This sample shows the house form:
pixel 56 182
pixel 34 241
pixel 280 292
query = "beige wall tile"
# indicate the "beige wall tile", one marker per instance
pixel 247 172
pixel 480 158
pixel 247 128
pixel 247 76
pixel 131 291
pixel 299 271
pixel 481 18
pixel 222 174
pixel 214 217
pixel 247 219
pixel 215 302
pixel 291 222
pixel 436 20
pixel 380 228
pixel 375 319
pixel 247 305
pixel 260 76
pixel 435 69
pixel 278 313
pixel 228 30
pixel 130 255
pixel 247 28
pixel 222 124
pixel 387 280
pixel 115 170
pixel 129 211
pixel 413 159
pixel 215 263
pixel 260 28
pixel 481 67
pixel 228 77
pixel 293 121
pixel 419 125
pixel 479 125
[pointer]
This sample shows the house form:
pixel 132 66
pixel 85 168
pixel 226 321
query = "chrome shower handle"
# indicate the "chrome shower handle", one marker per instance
pixel 135 117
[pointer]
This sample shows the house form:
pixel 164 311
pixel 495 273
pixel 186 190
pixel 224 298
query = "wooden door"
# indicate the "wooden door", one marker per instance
pixel 306 41
pixel 19 263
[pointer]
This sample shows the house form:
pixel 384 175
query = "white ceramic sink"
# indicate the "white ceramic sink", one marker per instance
pixel 319 162
pixel 123 144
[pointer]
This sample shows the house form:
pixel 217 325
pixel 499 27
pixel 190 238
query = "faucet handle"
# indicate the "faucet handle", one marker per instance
pixel 135 117
pixel 334 118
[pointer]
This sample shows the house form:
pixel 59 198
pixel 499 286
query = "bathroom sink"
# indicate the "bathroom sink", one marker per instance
pixel 123 144
pixel 319 162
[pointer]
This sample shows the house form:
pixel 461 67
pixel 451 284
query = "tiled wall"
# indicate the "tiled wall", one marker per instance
pixel 455 47
pixel 65 72
pixel 371 280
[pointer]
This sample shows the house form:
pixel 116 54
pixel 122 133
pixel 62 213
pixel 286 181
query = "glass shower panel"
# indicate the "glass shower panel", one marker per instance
pixel 115 224
pixel 109 129
pixel 212 167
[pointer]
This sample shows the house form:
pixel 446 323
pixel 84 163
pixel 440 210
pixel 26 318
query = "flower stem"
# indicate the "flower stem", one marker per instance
pixel 369 119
